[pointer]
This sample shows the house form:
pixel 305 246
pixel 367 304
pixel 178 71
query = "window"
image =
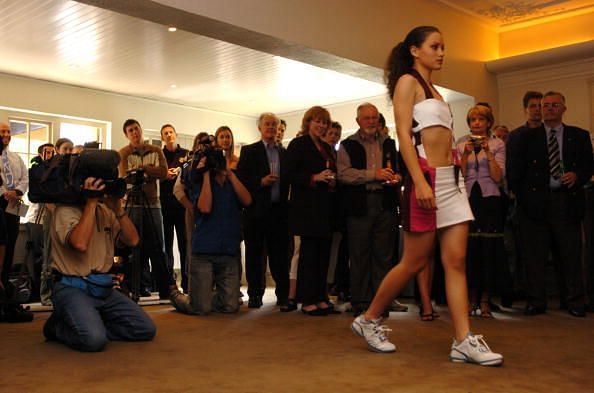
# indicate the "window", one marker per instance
pixel 27 136
pixel 79 134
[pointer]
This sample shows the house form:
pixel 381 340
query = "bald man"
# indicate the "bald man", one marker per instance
pixel 15 181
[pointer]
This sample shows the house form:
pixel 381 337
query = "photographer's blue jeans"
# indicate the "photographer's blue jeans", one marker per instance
pixel 86 323
pixel 223 270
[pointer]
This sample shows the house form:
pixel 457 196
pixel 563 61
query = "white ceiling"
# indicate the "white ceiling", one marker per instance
pixel 78 44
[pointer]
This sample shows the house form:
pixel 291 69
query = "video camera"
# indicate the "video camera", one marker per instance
pixel 215 159
pixel 61 179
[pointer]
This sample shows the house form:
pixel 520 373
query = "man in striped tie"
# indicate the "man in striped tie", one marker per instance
pixel 551 167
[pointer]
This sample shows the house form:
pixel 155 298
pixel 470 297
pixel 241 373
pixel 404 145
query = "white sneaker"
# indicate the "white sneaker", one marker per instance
pixel 474 350
pixel 374 333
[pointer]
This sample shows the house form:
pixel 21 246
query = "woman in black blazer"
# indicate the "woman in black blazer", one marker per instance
pixel 311 171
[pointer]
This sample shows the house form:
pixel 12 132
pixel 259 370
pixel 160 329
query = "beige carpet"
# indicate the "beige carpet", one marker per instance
pixel 267 351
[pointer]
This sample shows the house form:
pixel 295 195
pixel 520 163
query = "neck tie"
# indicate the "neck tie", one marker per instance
pixel 7 171
pixel 554 155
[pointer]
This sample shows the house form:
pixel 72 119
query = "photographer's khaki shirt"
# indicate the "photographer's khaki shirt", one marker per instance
pixel 99 255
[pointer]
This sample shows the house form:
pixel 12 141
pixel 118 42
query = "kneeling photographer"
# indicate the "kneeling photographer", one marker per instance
pixel 215 238
pixel 87 310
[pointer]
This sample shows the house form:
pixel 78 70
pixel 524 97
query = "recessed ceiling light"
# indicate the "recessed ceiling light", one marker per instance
pixel 173 86
pixel 172 29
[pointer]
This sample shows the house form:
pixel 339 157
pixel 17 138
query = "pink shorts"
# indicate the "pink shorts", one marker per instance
pixel 450 197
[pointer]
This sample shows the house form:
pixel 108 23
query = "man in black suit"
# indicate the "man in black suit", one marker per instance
pixel 548 172
pixel 260 169
pixel 533 111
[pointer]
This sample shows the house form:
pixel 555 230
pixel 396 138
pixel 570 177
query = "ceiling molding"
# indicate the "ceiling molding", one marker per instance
pixel 560 71
pixel 546 57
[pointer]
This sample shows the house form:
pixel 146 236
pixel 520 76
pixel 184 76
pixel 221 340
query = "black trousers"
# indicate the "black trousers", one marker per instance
pixel 313 269
pixel 371 246
pixel 12 232
pixel 174 219
pixel 560 234
pixel 342 274
pixel 148 223
pixel 487 268
pixel 269 233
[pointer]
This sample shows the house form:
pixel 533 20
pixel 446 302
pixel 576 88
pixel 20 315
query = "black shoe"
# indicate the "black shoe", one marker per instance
pixel 507 301
pixel 533 310
pixel 255 302
pixel 290 306
pixel 144 292
pixel 49 329
pixel 579 311
pixel 316 312
pixel 330 309
pixel 15 313
pixel 343 296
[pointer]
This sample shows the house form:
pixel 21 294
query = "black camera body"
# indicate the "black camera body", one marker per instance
pixel 61 179
pixel 215 159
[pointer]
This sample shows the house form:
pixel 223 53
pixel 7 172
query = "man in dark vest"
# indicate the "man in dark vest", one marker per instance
pixel 367 171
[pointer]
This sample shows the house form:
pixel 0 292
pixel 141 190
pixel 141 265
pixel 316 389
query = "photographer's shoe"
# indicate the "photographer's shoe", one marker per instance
pixel 374 334
pixel 474 350
pixel 15 313
pixel 49 329
pixel 179 301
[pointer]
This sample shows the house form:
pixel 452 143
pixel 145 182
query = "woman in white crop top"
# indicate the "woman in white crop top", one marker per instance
pixel 435 203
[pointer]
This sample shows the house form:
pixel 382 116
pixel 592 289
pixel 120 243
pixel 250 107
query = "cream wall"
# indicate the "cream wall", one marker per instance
pixel 556 33
pixel 50 97
pixel 574 79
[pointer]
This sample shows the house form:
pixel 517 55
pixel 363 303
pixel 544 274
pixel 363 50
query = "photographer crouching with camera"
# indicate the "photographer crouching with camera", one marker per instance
pixel 217 198
pixel 87 310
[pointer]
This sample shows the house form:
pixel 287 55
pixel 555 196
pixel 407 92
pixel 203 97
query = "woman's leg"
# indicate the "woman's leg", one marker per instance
pixel 453 255
pixel 418 248
pixel 424 282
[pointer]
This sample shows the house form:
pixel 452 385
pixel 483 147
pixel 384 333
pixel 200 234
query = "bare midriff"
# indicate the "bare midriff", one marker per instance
pixel 437 142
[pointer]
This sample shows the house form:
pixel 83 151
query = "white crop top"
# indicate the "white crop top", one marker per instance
pixel 432 112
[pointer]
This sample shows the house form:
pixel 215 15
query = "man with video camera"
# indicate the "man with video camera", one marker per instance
pixel 87 310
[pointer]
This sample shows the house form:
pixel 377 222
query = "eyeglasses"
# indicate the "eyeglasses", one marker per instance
pixel 555 105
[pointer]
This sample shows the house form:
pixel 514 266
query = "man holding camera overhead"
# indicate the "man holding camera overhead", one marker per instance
pixel 150 165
